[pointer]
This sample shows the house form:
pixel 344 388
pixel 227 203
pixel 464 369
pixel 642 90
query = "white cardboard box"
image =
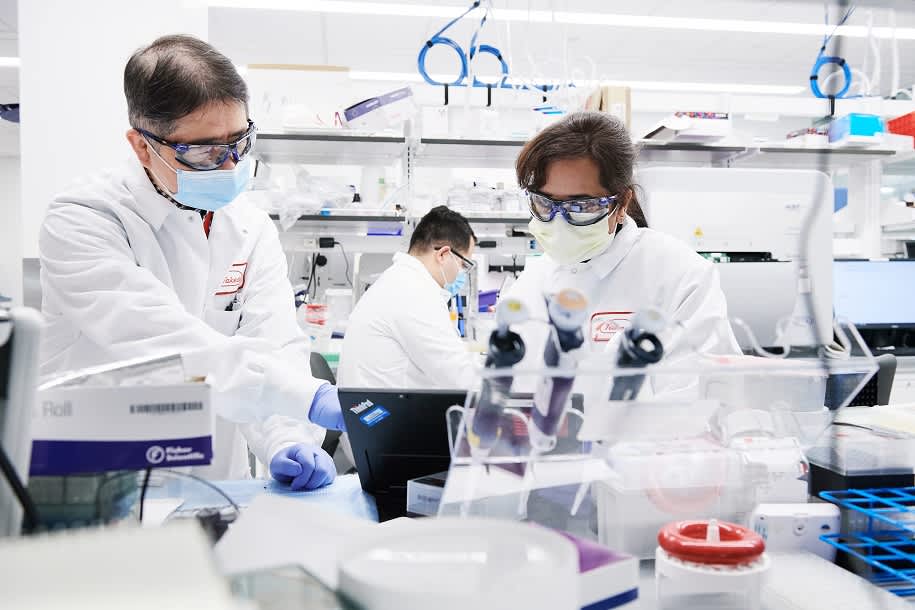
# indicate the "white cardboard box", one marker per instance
pixel 89 428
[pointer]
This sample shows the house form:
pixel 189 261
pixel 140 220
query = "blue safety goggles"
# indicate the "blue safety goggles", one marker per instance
pixel 577 212
pixel 206 157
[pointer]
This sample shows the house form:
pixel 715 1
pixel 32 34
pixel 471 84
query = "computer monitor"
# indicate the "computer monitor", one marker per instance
pixel 875 294
pixel 397 435
pixel 19 340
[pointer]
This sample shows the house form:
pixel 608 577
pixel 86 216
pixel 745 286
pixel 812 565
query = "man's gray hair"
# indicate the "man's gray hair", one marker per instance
pixel 173 77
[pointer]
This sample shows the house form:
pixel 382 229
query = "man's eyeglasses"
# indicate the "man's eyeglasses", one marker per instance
pixel 206 157
pixel 466 263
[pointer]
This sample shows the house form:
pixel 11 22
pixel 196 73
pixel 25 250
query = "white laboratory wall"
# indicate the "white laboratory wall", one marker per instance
pixel 10 228
pixel 73 111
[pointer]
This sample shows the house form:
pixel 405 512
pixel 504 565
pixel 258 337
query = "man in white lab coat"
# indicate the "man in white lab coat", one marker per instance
pixel 152 259
pixel 400 334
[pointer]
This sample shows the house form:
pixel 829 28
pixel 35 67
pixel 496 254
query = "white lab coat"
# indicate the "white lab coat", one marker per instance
pixel 641 268
pixel 400 335
pixel 126 274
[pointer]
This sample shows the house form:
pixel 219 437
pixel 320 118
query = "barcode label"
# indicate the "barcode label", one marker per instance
pixel 167 407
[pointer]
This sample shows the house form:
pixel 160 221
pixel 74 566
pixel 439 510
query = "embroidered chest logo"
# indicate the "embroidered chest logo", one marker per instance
pixel 233 280
pixel 606 324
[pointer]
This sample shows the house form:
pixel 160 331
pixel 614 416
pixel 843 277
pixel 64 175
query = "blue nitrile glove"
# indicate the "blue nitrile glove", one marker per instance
pixel 325 409
pixel 303 466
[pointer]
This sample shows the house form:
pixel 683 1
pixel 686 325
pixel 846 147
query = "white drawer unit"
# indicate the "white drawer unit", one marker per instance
pixel 904 382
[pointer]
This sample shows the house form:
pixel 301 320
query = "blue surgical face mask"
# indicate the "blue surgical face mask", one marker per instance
pixel 455 286
pixel 210 190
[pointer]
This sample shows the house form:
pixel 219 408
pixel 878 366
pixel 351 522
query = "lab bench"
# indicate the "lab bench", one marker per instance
pixel 344 496
pixel 797 581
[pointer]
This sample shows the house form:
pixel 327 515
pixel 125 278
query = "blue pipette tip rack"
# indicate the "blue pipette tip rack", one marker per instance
pixel 887 544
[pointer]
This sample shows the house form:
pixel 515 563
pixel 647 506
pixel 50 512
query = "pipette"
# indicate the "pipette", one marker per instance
pixel 567 312
pixel 639 347
pixel 506 349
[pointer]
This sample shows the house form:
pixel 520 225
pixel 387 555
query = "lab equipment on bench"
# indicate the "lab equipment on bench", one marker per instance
pixel 856 454
pixel 639 347
pixel 94 424
pixel 797 527
pixel 754 216
pixel 127 415
pixel 506 349
pixel 879 545
pixel 702 557
pixel 397 435
pixel 451 564
pixel 567 311
pixel 20 330
pixel 856 130
pixel 717 436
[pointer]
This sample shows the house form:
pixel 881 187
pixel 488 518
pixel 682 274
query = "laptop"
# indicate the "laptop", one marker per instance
pixel 397 435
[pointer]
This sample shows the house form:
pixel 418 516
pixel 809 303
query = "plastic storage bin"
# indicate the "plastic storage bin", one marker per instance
pixel 903 125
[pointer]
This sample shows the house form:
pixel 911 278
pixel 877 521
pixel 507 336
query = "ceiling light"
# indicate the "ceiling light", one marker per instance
pixel 9 62
pixel 566 17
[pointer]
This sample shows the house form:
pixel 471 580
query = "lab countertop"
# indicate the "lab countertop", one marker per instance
pixel 344 495
pixel 796 581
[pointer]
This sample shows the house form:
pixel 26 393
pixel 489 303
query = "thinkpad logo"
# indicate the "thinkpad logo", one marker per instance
pixel 362 406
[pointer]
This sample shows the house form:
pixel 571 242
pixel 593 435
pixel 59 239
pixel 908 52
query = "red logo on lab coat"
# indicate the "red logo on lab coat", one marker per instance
pixel 606 324
pixel 233 280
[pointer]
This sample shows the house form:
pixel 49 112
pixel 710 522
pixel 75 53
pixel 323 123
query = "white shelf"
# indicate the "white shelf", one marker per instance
pixel 686 153
pixel 900 227
pixel 329 149
pixel 333 149
pixel 451 152
pixel 903 164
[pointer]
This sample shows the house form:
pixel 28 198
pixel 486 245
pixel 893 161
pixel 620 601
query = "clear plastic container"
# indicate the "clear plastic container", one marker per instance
pixel 314 323
pixel 716 437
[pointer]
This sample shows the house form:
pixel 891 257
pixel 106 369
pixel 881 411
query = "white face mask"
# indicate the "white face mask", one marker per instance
pixel 567 244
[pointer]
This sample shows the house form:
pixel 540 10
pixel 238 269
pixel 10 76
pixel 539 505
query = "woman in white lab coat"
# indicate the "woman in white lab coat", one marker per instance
pixel 578 175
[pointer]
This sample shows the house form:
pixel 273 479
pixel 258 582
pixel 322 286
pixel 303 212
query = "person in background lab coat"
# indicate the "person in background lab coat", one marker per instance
pixel 578 174
pixel 400 334
pixel 150 259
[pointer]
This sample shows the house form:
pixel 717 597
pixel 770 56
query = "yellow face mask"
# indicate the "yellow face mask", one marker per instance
pixel 568 245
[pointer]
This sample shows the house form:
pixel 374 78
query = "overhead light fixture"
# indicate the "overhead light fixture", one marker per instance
pixel 743 26
pixel 413 77
pixel 9 62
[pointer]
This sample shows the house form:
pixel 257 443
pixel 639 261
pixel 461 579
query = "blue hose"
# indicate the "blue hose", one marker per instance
pixel 823 59
pixel 460 80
